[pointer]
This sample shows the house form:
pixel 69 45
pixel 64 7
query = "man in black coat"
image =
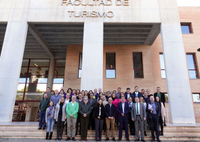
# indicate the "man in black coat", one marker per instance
pixel 153 109
pixel 123 116
pixel 160 95
pixel 136 93
pixel 128 94
pixel 92 102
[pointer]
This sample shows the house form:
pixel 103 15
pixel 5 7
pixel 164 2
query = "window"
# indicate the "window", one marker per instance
pixel 110 65
pixel 162 66
pixel 192 65
pixel 33 79
pixel 59 72
pixel 186 28
pixel 80 66
pixel 137 65
pixel 196 97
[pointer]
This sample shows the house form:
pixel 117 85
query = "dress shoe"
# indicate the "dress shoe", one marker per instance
pixel 137 140
pixel 119 139
pixel 57 139
pixel 145 133
pixel 143 140
pixel 68 138
pixel 107 139
pixel 113 139
pixel 152 140
pixel 127 139
pixel 73 139
pixel 39 128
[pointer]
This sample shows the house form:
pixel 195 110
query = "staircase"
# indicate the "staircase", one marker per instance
pixel 29 130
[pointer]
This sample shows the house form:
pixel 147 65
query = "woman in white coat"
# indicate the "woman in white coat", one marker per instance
pixel 60 116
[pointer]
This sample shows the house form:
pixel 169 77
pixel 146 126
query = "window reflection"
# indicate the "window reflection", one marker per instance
pixel 192 66
pixel 110 65
pixel 33 79
pixel 110 73
pixel 59 74
pixel 162 66
pixel 196 98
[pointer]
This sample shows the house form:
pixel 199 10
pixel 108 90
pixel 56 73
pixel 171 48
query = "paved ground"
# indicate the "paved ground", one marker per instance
pixel 39 140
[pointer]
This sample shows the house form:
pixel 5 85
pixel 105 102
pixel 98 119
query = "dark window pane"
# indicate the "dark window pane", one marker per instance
pixel 185 29
pixel 80 61
pixel 110 60
pixel 59 71
pixel 137 60
pixel 137 65
pixel 138 73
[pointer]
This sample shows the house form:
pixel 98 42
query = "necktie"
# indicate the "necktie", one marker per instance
pixel 137 108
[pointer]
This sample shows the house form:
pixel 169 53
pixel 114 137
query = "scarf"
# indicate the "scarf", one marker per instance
pixel 50 111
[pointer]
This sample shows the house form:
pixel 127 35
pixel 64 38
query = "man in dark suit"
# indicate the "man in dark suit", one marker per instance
pixel 138 115
pixel 153 109
pixel 92 102
pixel 160 95
pixel 123 110
pixel 162 98
pixel 110 112
pixel 128 94
pixel 79 101
pixel 96 94
pixel 136 93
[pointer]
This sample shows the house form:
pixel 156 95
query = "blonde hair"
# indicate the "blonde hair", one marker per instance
pixel 60 100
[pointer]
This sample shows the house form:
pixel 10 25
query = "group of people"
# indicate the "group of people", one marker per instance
pixel 102 111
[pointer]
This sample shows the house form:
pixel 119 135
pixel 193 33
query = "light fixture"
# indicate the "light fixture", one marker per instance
pixel 35 64
pixel 198 49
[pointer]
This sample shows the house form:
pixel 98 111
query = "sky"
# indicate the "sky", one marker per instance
pixel 188 2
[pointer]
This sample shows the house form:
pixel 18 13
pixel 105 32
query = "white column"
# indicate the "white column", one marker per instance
pixel 178 85
pixel 92 64
pixel 51 72
pixel 12 56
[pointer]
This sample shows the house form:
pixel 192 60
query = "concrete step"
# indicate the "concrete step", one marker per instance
pixel 91 137
pixel 175 133
pixel 166 133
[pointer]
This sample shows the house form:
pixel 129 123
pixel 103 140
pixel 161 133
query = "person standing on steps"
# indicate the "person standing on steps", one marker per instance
pixel 99 115
pixel 49 117
pixel 72 114
pixel 42 109
pixel 60 116
pixel 138 115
